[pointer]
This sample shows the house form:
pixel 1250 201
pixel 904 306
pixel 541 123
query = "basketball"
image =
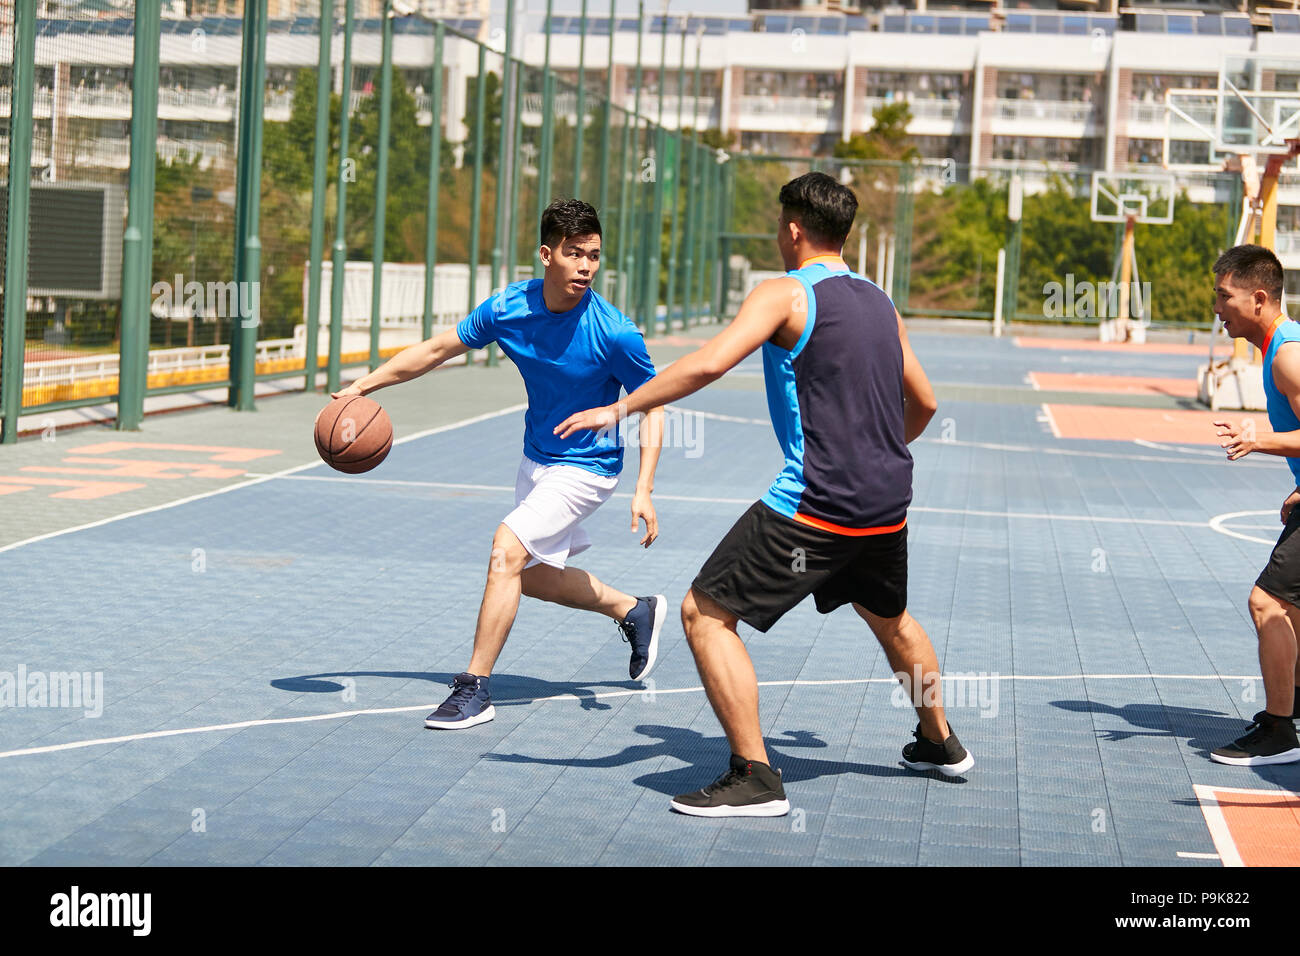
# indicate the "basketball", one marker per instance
pixel 353 434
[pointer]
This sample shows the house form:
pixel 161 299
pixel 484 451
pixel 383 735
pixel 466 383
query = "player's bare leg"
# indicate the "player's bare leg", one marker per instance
pixel 908 649
pixel 576 588
pixel 1277 650
pixel 726 672
pixel 500 600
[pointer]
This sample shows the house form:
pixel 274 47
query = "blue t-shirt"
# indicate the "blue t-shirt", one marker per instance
pixel 571 361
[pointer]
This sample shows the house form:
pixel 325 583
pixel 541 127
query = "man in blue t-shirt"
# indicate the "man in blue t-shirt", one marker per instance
pixel 575 350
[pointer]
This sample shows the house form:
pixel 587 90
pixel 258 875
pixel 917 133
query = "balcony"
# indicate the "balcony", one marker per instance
pixel 100 103
pixel 42 103
pixel 931 116
pixel 790 114
pixel 1050 118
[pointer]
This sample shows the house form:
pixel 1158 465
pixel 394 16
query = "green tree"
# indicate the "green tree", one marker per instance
pixel 887 138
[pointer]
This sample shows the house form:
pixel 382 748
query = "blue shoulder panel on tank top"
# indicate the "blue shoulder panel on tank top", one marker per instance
pixel 1281 416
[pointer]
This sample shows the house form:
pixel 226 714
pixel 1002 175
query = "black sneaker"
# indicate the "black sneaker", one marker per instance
pixel 469 705
pixel 641 629
pixel 747 789
pixel 1267 740
pixel 949 758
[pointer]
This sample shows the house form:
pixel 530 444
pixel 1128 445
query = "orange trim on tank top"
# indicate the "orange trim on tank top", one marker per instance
pixel 825 258
pixel 840 529
pixel 1269 338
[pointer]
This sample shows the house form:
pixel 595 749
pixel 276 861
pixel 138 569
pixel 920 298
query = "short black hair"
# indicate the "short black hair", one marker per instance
pixel 1254 267
pixel 822 207
pixel 568 217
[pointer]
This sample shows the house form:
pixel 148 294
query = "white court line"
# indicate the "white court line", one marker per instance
pixel 1051 421
pixel 1218 825
pixel 254 481
pixel 1217 524
pixel 997 446
pixel 338 715
pixel 1029 515
pixel 1199 856
pixel 1182 451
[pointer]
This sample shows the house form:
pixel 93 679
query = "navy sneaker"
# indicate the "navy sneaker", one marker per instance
pixel 469 704
pixel 949 758
pixel 641 629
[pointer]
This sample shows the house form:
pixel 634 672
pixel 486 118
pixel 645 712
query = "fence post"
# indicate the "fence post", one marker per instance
pixel 137 243
pixel 320 162
pixel 248 209
pixel 20 157
pixel 435 163
pixel 381 181
pixel 339 257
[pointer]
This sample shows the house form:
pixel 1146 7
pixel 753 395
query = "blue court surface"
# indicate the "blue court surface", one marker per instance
pixel 268 654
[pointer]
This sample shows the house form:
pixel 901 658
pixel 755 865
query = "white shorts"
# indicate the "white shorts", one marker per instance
pixel 551 502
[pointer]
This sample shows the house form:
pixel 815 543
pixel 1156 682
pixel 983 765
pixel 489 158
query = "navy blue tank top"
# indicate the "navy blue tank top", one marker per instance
pixel 836 401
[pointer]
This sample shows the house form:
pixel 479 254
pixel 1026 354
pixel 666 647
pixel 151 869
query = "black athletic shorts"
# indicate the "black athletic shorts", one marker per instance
pixel 768 563
pixel 1281 576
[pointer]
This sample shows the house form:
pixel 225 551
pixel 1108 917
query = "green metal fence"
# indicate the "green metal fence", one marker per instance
pixel 930 233
pixel 293 201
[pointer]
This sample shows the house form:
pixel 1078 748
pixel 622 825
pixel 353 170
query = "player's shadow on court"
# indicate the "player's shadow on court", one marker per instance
pixel 508 690
pixel 706 757
pixel 1205 730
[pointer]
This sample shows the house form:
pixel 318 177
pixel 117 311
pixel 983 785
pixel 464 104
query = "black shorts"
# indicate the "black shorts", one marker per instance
pixel 768 563
pixel 1281 576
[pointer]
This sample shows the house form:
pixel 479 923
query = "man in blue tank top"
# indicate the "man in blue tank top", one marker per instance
pixel 1248 293
pixel 846 396
pixel 573 348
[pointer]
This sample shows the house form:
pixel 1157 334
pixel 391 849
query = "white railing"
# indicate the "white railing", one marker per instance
pixel 202 148
pixel 102 150
pixel 401 302
pixel 802 106
pixel 1284 242
pixel 69 371
pixel 1157 112
pixel 1064 111
pixel 929 108
pixel 82 98
pixel 197 99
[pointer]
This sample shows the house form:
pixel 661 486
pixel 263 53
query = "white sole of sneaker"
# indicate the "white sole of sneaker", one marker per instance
pixel 1286 756
pixel 947 769
pixel 775 808
pixel 474 721
pixel 661 612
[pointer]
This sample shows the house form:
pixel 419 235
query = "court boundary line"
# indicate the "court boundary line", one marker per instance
pixel 1217 823
pixel 252 481
pixel 1028 449
pixel 923 509
pixel 603 695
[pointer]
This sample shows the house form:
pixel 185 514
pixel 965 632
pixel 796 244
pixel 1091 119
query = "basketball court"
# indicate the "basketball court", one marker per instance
pixel 257 640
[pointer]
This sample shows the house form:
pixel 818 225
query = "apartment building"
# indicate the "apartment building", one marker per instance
pixel 987 86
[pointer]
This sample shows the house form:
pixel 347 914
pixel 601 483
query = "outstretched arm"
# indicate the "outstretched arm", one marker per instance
pixel 919 404
pixel 411 362
pixel 651 438
pixel 765 310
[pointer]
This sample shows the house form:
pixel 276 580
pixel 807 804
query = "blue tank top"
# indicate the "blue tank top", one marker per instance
pixel 1280 413
pixel 836 401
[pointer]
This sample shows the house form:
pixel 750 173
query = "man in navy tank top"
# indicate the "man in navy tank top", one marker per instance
pixel 1248 296
pixel 846 395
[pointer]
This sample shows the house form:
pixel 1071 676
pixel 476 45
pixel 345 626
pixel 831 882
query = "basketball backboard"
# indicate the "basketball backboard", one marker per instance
pixel 1253 108
pixel 1147 197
